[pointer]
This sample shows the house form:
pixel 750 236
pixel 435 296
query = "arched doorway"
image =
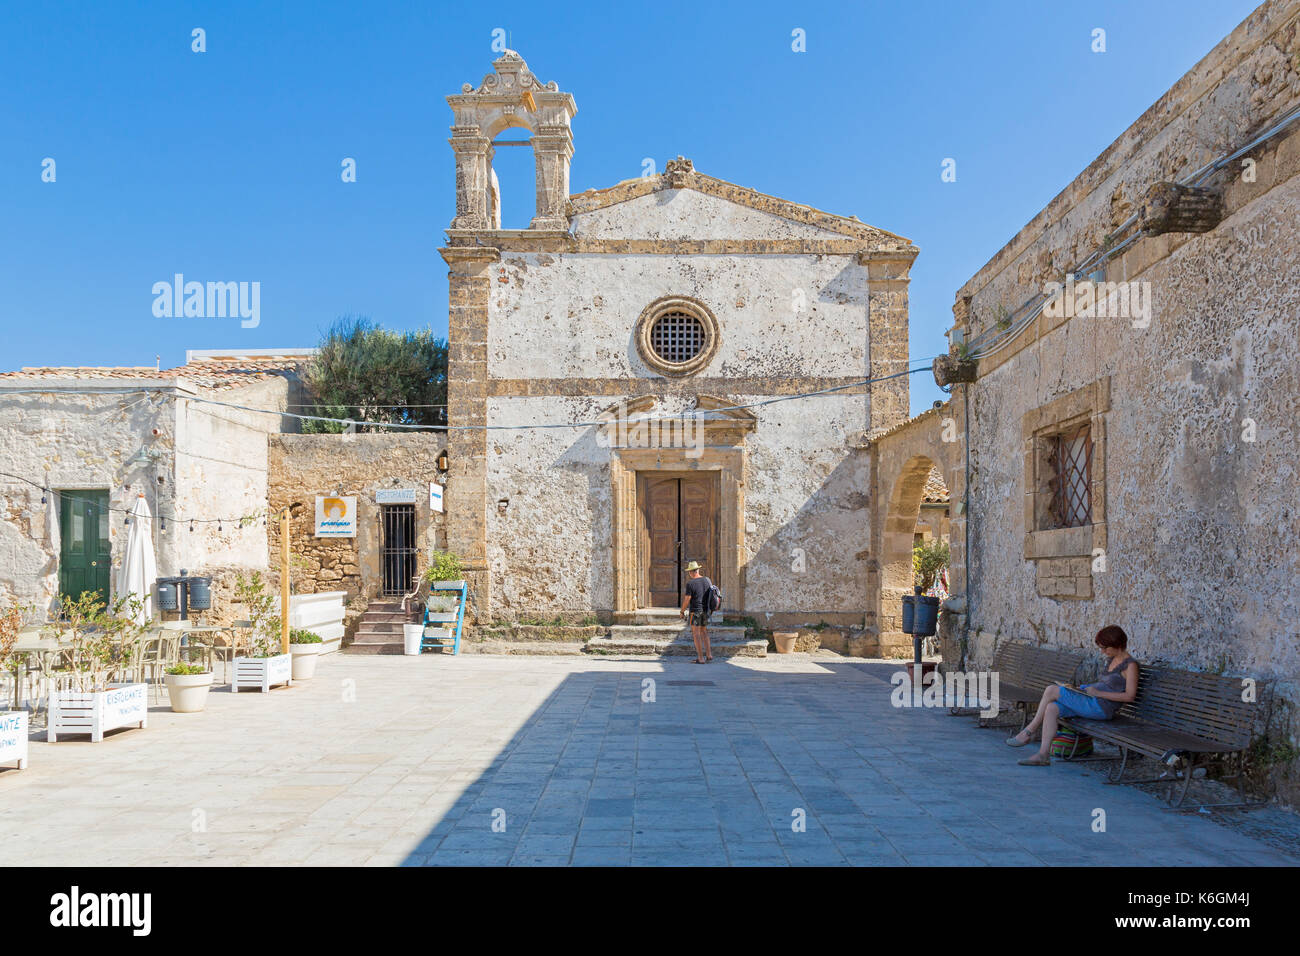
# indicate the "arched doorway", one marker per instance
pixel 919 490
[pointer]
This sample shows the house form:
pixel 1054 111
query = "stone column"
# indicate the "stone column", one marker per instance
pixel 887 275
pixel 472 163
pixel 466 496
pixel 552 149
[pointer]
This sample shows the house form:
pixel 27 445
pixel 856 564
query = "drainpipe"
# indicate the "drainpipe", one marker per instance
pixel 965 644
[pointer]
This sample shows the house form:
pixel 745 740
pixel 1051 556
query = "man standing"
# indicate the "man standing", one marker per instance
pixel 696 600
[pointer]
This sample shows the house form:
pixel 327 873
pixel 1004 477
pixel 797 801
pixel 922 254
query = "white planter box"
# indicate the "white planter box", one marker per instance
pixel 95 712
pixel 443 617
pixel 446 585
pixel 13 737
pixel 261 673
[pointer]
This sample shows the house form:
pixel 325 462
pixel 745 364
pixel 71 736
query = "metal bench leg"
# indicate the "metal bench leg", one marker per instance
pixel 1111 775
pixel 1189 770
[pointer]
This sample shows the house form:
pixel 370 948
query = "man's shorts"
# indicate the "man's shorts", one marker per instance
pixel 700 618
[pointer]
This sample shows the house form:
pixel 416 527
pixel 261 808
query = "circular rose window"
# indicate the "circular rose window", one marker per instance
pixel 677 335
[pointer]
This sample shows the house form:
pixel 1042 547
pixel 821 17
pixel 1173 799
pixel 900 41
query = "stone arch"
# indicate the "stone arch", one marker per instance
pixel 904 458
pixel 511 97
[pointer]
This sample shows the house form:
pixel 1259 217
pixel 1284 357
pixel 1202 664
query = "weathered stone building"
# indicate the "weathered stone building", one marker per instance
pixel 674 296
pixel 90 440
pixel 1132 446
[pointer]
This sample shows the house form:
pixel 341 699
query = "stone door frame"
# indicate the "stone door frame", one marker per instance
pixel 723 452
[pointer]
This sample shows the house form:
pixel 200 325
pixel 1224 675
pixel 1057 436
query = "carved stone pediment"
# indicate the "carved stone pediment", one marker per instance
pixel 510 77
pixel 637 423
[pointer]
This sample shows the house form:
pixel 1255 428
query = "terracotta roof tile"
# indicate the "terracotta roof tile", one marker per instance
pixel 206 374
pixel 935 490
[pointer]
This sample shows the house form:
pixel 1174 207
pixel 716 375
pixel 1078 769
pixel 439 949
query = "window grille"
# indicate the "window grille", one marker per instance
pixel 1070 462
pixel 677 337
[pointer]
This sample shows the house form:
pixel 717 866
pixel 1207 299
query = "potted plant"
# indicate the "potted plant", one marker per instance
pixel 187 687
pixel 928 559
pixel 100 637
pixel 265 666
pixel 305 648
pixel 445 571
pixel 13 723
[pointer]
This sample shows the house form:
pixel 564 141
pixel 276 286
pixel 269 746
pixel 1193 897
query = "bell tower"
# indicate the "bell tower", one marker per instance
pixel 510 96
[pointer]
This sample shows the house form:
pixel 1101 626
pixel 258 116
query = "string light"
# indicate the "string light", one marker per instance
pixel 127 514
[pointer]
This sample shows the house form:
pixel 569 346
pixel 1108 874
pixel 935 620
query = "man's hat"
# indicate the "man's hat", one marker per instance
pixel 693 566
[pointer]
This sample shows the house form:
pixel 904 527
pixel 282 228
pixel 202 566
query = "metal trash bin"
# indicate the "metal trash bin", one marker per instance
pixel 200 593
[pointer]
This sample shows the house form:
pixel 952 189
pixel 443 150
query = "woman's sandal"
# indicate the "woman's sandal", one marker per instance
pixel 1015 741
pixel 1037 760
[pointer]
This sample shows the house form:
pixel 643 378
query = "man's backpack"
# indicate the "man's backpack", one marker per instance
pixel 714 598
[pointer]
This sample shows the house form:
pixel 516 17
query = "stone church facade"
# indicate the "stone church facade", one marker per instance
pixel 674 297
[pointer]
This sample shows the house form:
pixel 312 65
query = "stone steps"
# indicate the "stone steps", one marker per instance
pixel 379 631
pixel 674 641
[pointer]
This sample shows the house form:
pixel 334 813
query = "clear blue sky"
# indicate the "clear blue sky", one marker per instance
pixel 225 165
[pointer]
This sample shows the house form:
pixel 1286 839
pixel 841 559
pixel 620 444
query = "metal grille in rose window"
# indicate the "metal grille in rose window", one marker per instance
pixel 1070 459
pixel 677 337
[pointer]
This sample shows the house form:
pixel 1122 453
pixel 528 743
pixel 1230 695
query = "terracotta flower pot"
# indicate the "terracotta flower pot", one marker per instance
pixel 927 667
pixel 784 641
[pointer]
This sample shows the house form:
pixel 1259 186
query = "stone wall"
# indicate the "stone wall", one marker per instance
pixel 1195 496
pixel 304 466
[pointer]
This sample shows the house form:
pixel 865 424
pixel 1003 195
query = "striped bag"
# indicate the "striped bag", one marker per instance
pixel 1068 743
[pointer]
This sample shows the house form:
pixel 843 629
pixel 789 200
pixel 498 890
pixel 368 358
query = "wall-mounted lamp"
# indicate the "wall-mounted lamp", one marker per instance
pixel 503 504
pixel 442 461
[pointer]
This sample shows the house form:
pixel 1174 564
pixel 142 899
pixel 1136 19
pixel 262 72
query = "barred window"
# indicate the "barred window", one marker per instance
pixel 1070 462
pixel 677 337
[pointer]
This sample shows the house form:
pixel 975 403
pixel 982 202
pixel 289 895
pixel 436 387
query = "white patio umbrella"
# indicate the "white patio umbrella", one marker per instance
pixel 139 566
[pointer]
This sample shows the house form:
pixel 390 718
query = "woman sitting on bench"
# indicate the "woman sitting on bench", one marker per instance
pixel 1099 701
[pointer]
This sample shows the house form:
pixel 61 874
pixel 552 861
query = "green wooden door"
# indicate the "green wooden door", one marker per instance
pixel 85 555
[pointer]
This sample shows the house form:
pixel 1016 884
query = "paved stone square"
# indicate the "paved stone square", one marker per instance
pixel 391 760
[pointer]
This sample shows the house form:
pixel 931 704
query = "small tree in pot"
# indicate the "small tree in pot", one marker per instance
pixel 265 665
pixel 13 724
pixel 928 559
pixel 101 639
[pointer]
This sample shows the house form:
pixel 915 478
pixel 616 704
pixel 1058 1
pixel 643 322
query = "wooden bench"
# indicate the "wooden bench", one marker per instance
pixel 1024 672
pixel 1180 718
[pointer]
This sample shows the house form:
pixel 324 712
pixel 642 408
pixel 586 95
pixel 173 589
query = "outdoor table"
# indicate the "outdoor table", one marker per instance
pixel 199 633
pixel 27 645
